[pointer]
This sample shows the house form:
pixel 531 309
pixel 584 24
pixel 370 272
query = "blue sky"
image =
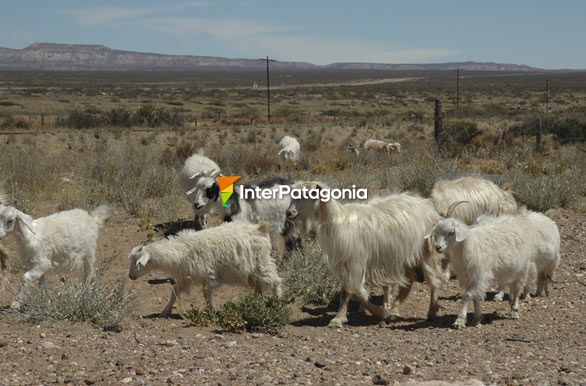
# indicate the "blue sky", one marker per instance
pixel 546 34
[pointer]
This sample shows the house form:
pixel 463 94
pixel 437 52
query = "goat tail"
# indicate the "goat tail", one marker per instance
pixel 101 214
pixel 265 227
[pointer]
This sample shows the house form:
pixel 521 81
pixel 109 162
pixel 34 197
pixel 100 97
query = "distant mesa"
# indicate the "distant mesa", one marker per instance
pixel 95 57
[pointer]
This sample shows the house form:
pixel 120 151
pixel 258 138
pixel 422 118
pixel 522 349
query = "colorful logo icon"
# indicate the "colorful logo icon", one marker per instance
pixel 226 184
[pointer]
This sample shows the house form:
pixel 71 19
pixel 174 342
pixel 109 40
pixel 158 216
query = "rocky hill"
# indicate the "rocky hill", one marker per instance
pixel 469 66
pixel 50 56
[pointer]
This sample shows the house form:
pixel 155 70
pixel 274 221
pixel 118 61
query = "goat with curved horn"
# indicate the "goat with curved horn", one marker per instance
pixel 453 206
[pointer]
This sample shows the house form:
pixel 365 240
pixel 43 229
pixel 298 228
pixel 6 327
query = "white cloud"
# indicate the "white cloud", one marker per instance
pixel 250 38
pixel 285 44
pixel 199 3
pixel 96 16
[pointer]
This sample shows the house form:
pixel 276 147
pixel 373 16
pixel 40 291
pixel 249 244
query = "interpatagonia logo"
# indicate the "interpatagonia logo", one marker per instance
pixel 226 184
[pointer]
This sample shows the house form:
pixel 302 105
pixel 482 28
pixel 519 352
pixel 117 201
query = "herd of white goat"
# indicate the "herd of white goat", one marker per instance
pixel 469 227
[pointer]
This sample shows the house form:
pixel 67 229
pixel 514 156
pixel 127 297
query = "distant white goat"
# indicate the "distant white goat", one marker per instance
pixel 3 252
pixel 198 181
pixel 546 258
pixel 353 149
pixel 482 197
pixel 289 149
pixel 497 249
pixel 63 241
pixel 377 145
pixel 377 243
pixel 237 253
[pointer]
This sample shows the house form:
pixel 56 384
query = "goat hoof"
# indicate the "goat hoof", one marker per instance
pixel 459 325
pixel 514 315
pixel 432 314
pixel 165 314
pixel 477 323
pixel 336 323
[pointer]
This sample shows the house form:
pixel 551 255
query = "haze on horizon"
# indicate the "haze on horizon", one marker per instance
pixel 537 33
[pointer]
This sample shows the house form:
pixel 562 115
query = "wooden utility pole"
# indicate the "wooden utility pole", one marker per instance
pixel 546 102
pixel 268 92
pixel 437 123
pixel 457 90
pixel 268 88
pixel 542 122
pixel 538 142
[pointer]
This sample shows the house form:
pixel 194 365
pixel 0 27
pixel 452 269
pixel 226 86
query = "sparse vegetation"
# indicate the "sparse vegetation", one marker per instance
pixel 252 312
pixel 307 277
pixel 94 301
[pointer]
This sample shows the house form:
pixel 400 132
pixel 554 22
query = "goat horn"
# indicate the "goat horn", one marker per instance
pixel 453 206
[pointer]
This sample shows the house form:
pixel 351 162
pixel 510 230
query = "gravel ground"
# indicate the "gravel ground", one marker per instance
pixel 547 345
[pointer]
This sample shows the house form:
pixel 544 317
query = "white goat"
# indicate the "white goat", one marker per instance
pixel 497 249
pixel 481 197
pixel 352 148
pixel 58 242
pixel 198 180
pixel 377 145
pixel 377 243
pixel 237 253
pixel 3 252
pixel 289 149
pixel 478 197
pixel 545 234
pixel 257 210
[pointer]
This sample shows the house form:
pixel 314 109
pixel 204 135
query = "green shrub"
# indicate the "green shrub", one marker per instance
pixel 118 117
pixel 460 131
pixel 307 276
pixel 151 116
pixel 569 130
pixel 80 119
pixel 93 301
pixel 253 312
pixel 199 317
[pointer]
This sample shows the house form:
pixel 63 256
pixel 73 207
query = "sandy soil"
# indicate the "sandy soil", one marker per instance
pixel 547 345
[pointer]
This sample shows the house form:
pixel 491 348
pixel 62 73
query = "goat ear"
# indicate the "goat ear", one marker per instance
pixel 135 250
pixel 429 233
pixel 461 232
pixel 25 219
pixel 215 191
pixel 144 259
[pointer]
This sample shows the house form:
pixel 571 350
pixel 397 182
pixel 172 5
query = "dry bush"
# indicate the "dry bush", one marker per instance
pixel 546 192
pixel 420 170
pixel 307 276
pixel 93 301
pixel 127 177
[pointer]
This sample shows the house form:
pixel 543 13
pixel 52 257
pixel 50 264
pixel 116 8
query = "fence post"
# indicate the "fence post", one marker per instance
pixel 437 123
pixel 538 142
